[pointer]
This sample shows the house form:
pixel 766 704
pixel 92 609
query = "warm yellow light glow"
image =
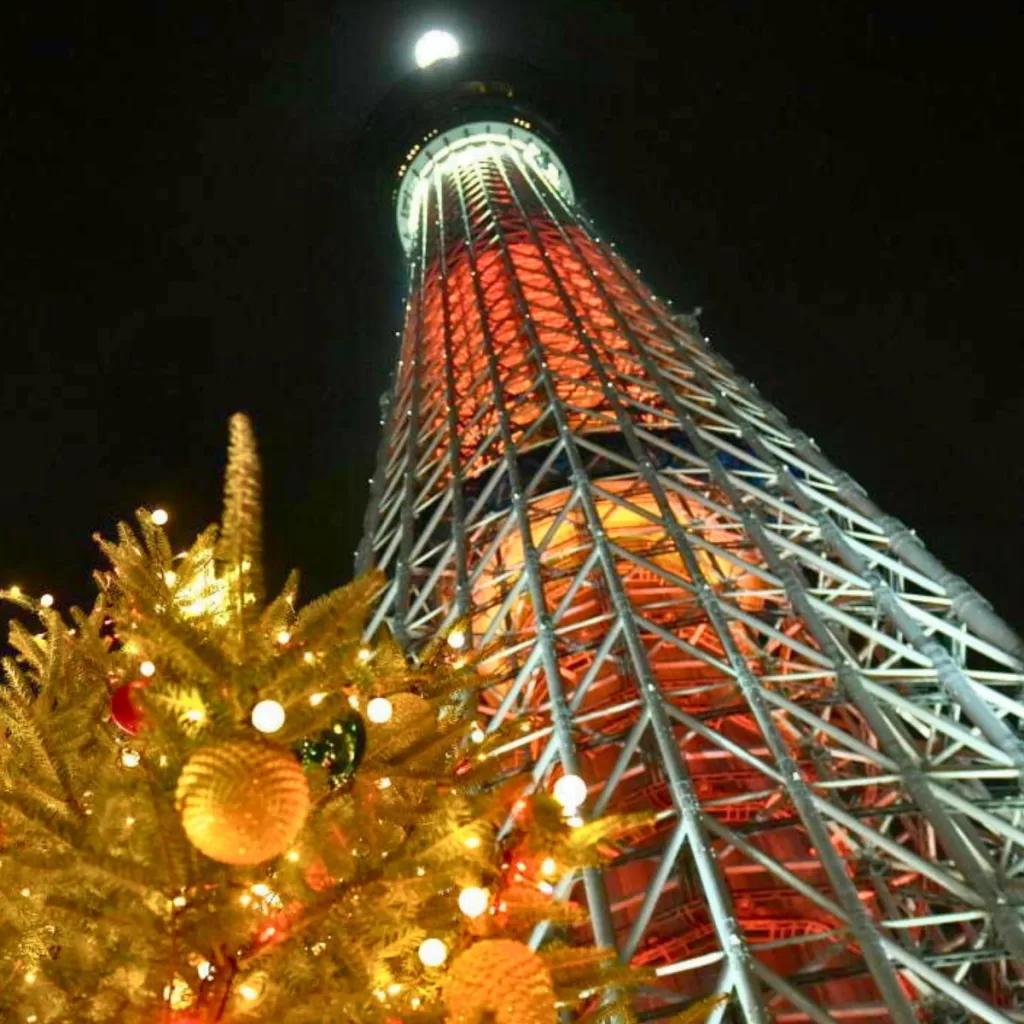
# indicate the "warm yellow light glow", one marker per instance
pixel 26 892
pixel 245 899
pixel 179 902
pixel 472 842
pixel 473 901
pixel 570 791
pixel 147 669
pixel 316 699
pixel 46 600
pixel 477 735
pixel 292 855
pixel 549 867
pixel 170 578
pixel 384 783
pixel 379 710
pixel 283 637
pixel 575 821
pixel 394 988
pixel 204 968
pixel 196 715
pixel 364 655
pixel 130 758
pixel 14 590
pixel 248 992
pixel 159 517
pixel 268 716
pixel 433 952
pixel 309 657
pixel 457 640
pixel 260 889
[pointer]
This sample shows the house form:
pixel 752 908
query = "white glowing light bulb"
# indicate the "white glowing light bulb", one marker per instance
pixel 283 637
pixel 549 867
pixel 130 758
pixel 433 952
pixel 457 640
pixel 474 901
pixel 379 710
pixel 268 716
pixel 159 517
pixel 435 45
pixel 46 600
pixel 570 791
pixel 147 668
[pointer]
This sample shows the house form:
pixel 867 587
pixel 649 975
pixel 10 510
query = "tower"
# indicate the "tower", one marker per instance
pixel 694 609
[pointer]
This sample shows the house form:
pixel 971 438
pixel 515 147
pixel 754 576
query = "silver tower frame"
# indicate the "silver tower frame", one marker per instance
pixel 698 613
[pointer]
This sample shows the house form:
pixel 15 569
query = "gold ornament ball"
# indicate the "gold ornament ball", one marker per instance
pixel 503 981
pixel 242 802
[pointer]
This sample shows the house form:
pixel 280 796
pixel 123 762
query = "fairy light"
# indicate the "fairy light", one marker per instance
pixel 196 715
pixel 14 590
pixel 159 517
pixel 473 900
pixel 570 791
pixel 471 842
pixel 204 969
pixel 245 899
pixel 170 578
pixel 549 867
pixel 379 710
pixel 268 716
pixel 309 657
pixel 316 699
pixel 30 977
pixel 364 655
pixel 394 988
pixel 477 735
pixel 147 669
pixel 432 952
pixel 26 892
pixel 292 856
pixel 180 902
pixel 130 757
pixel 384 783
pixel 46 600
pixel 457 640
pixel 353 701
pixel 249 992
pixel 283 637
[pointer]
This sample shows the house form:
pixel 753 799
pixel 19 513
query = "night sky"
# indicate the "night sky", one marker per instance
pixel 184 235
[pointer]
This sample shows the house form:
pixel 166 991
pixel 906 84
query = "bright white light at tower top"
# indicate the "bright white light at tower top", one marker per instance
pixel 435 45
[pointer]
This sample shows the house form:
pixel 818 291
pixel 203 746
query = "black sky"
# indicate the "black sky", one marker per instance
pixel 183 236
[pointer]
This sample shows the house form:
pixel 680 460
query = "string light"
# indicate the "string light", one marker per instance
pixel 130 757
pixel 30 977
pixel 180 902
pixel 170 578
pixel 147 669
pixel 549 867
pixel 379 710
pixel 457 640
pixel 283 637
pixel 159 517
pixel 364 655
pixel 316 699
pixel 292 856
pixel 472 842
pixel 432 952
pixel 268 716
pixel 46 600
pixel 204 969
pixel 473 901
pixel 570 791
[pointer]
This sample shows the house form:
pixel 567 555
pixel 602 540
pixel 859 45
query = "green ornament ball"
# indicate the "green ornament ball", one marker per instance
pixel 338 749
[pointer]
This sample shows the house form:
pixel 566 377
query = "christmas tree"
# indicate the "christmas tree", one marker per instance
pixel 216 806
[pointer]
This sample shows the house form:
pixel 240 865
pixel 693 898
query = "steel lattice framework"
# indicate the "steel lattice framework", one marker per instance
pixel 699 614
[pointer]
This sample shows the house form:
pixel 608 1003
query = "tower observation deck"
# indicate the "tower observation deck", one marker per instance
pixel 693 609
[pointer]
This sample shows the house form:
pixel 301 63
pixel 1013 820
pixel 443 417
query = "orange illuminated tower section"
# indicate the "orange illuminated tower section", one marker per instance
pixel 693 610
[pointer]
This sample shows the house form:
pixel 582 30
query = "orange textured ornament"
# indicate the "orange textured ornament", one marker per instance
pixel 503 981
pixel 242 802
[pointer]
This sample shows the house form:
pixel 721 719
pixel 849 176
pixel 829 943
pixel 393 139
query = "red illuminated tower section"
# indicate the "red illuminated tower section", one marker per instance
pixel 695 611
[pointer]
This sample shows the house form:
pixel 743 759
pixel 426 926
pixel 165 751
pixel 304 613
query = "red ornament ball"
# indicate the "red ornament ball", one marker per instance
pixel 124 708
